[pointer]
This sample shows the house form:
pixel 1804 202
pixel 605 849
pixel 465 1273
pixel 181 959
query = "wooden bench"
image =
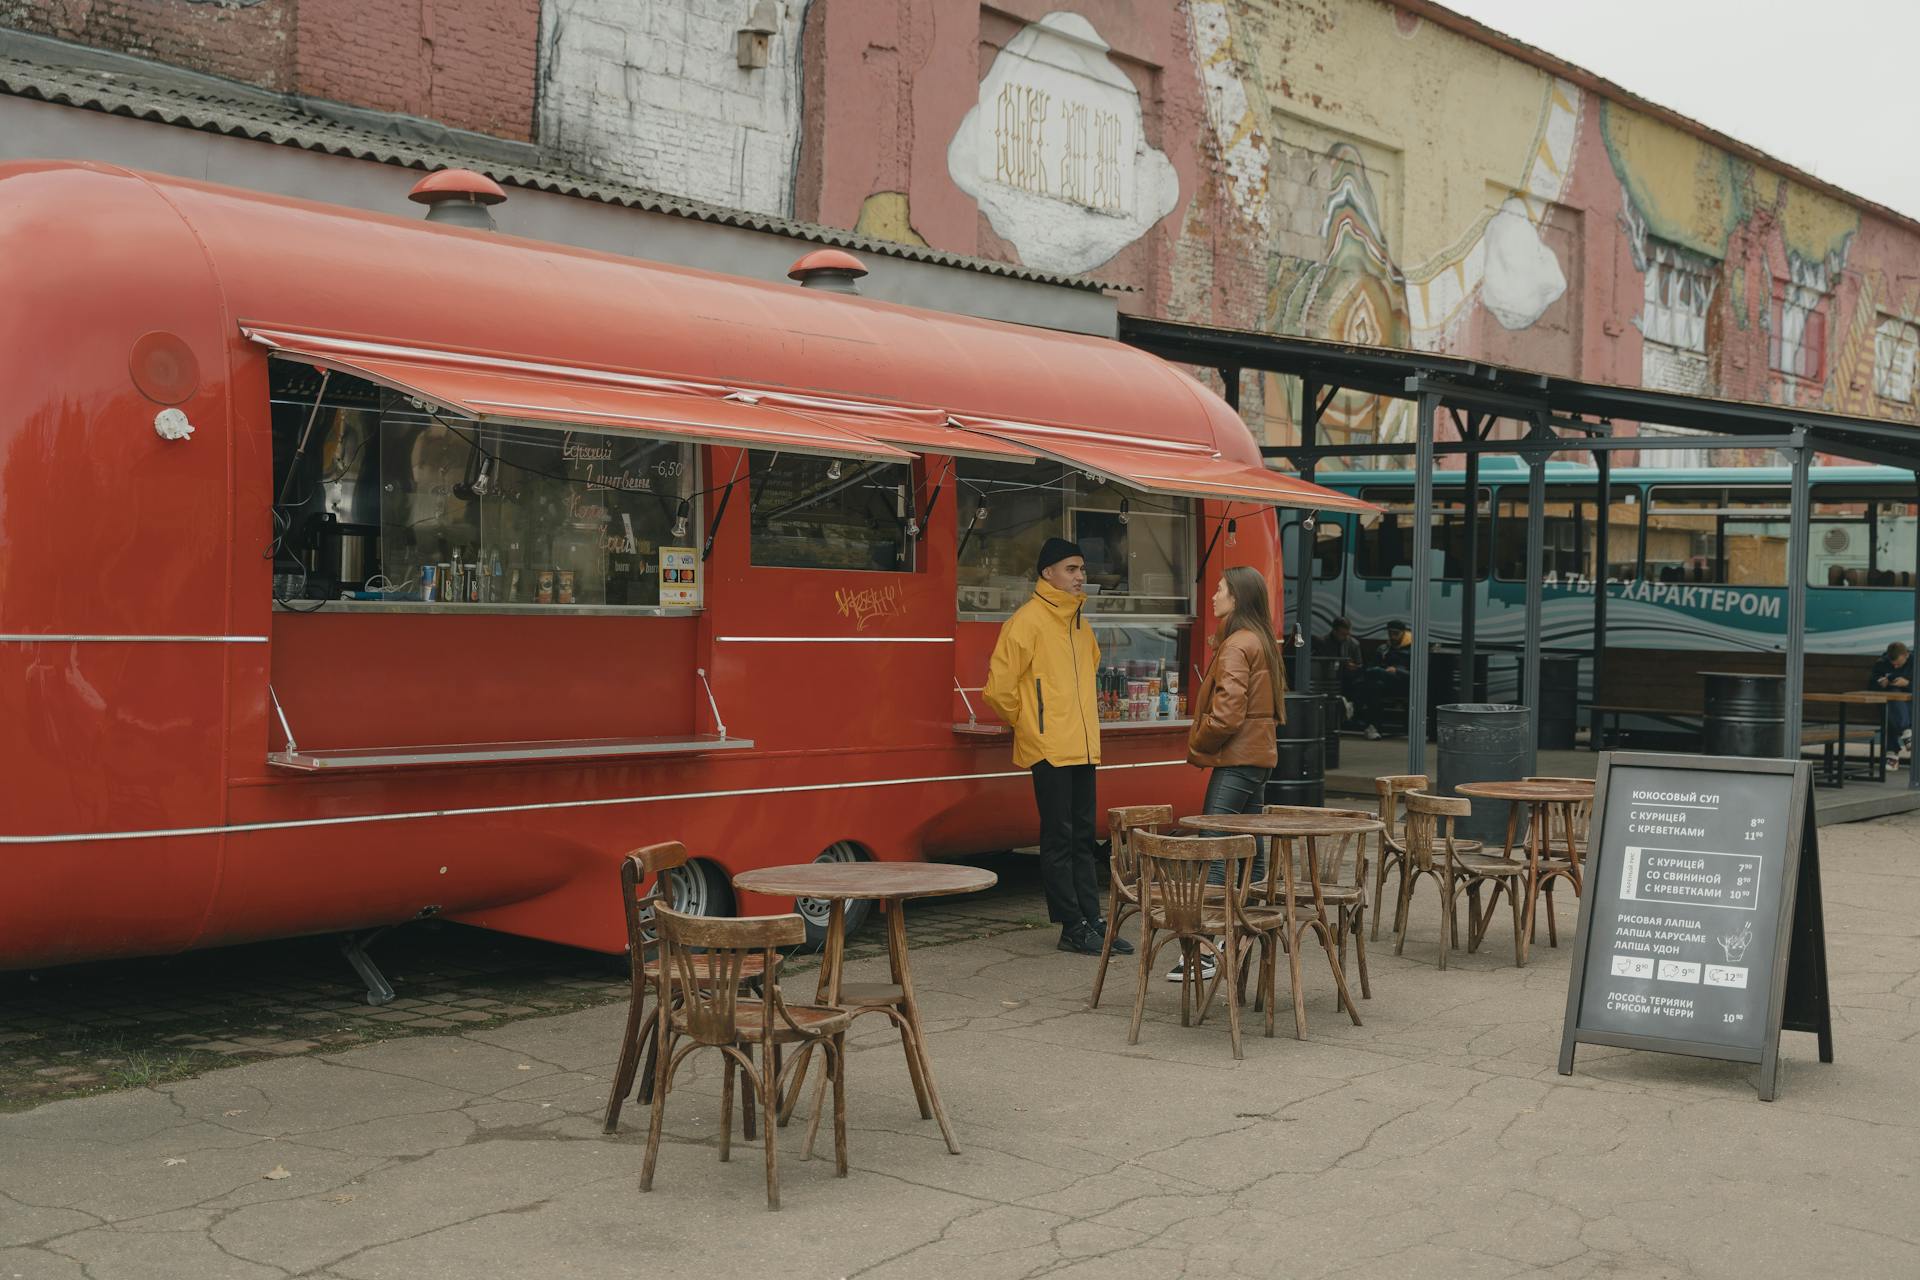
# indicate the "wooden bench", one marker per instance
pixel 1669 685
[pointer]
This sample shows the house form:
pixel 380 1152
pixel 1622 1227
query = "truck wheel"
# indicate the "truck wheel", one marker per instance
pixel 699 889
pixel 814 910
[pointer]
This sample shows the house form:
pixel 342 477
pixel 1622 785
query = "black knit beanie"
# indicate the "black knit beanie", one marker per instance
pixel 1054 550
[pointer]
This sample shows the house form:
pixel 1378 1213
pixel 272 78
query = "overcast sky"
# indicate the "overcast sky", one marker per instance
pixel 1824 85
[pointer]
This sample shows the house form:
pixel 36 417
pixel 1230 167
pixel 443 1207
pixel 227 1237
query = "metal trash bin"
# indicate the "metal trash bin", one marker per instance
pixel 1746 714
pixel 1559 702
pixel 1484 742
pixel 1300 772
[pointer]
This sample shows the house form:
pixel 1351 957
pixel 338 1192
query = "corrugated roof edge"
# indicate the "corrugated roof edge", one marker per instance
pixel 271 118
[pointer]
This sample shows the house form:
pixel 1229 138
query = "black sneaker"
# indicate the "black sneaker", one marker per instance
pixel 1080 937
pixel 1121 947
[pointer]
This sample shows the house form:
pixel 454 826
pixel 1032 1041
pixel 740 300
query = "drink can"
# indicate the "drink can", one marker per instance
pixel 564 592
pixel 1180 707
pixel 429 584
pixel 543 587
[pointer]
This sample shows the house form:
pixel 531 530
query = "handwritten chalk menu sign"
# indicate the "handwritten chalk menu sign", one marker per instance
pixel 1700 926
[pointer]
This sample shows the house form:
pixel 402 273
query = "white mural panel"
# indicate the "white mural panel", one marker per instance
pixel 1055 152
pixel 1439 290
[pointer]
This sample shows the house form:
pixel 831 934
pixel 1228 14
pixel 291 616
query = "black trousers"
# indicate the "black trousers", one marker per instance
pixel 1069 865
pixel 1237 788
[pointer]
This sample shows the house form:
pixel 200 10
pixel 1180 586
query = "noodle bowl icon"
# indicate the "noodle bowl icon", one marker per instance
pixel 1734 945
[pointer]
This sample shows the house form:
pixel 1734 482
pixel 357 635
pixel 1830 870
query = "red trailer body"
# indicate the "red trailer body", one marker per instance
pixel 151 800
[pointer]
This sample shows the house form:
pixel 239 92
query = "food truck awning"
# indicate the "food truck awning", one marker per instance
pixel 921 430
pixel 1180 470
pixel 503 389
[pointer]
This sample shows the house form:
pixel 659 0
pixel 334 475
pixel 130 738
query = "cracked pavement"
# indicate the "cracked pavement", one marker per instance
pixel 1437 1139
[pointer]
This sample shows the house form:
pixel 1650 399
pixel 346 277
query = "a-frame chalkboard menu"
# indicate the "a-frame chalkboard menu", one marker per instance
pixel 1700 926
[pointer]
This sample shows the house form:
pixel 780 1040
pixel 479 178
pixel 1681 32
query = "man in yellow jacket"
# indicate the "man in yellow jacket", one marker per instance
pixel 1042 682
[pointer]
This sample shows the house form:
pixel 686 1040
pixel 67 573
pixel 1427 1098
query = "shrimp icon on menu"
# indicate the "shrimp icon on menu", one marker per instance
pixel 1734 945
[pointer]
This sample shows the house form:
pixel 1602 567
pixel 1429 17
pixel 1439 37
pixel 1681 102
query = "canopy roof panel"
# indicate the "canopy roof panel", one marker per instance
pixel 1173 470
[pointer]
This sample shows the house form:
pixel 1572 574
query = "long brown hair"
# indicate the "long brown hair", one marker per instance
pixel 1253 611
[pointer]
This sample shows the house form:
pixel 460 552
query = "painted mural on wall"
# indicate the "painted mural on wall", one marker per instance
pixel 1055 149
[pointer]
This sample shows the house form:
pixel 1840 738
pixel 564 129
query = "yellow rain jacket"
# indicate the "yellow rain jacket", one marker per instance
pixel 1041 680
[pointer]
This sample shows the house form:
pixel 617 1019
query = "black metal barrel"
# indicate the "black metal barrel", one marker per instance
pixel 1300 773
pixel 1326 682
pixel 1746 714
pixel 1443 684
pixel 1559 702
pixel 1484 742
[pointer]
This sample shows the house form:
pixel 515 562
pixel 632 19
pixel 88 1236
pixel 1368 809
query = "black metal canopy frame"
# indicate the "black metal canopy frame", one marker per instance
pixel 1560 415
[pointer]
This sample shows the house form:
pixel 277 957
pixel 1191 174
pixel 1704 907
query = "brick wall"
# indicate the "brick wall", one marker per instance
pixel 250 42
pixel 649 91
pixel 465 63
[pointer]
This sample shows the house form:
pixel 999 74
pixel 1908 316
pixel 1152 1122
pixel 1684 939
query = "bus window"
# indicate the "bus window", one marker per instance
pixel 1384 546
pixel 1864 541
pixel 1570 534
pixel 1329 546
pixel 1329 549
pixel 1840 545
pixel 1730 537
pixel 807 515
pixel 1894 528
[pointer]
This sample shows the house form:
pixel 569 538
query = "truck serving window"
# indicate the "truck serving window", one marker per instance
pixel 1139 546
pixel 822 513
pixel 391 504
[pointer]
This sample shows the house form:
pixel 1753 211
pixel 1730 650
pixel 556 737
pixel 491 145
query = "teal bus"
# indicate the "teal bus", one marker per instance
pixel 1694 558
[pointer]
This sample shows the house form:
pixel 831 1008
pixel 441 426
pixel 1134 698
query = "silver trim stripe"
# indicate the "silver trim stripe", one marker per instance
pixel 41 637
pixel 360 819
pixel 836 639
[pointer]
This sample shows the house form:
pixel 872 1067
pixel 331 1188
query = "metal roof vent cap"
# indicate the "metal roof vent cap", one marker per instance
pixel 833 270
pixel 458 197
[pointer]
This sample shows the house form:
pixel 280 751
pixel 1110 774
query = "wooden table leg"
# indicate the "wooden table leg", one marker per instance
pixel 826 991
pixel 1533 872
pixel 1326 929
pixel 917 1045
pixel 896 968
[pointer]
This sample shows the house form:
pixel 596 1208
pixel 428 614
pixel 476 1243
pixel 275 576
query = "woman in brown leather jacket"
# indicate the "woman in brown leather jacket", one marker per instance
pixel 1238 707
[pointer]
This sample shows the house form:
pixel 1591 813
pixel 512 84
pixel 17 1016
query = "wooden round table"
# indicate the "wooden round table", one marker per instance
pixel 1543 865
pixel 1307 828
pixel 889 884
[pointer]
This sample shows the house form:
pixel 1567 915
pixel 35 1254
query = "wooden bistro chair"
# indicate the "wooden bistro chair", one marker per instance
pixel 1123 887
pixel 1433 851
pixel 648 866
pixel 705 959
pixel 1347 899
pixel 1175 900
pixel 1392 791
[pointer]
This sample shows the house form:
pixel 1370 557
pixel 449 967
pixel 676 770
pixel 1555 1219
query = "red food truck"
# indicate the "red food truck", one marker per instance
pixel 357 568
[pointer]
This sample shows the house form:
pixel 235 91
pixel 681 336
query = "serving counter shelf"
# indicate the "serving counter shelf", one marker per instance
pixel 345 758
pixel 998 730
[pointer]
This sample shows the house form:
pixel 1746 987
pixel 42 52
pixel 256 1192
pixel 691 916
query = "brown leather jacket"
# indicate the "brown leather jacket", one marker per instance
pixel 1237 708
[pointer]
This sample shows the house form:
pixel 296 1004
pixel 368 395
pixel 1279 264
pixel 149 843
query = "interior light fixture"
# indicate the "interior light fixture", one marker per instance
pixel 833 469
pixel 1233 533
pixel 680 518
pixel 1124 517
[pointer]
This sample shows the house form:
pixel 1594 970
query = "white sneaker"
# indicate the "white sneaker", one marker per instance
pixel 1179 970
pixel 1373 734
